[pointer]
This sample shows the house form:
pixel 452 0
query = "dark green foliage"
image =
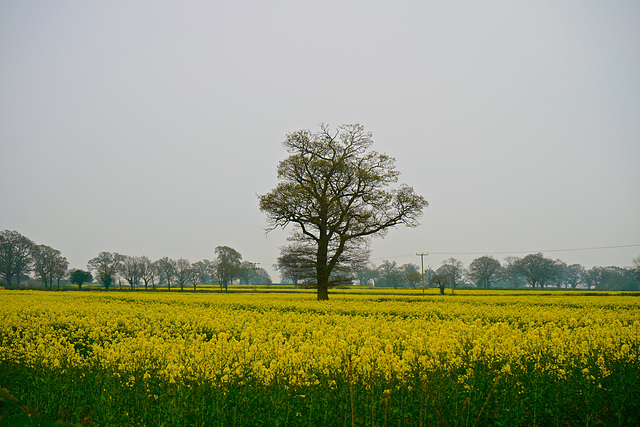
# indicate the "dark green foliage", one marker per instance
pixel 80 277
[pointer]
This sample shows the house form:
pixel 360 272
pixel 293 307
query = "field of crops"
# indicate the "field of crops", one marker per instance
pixel 266 358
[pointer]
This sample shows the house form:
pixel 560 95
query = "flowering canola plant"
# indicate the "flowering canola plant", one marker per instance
pixel 368 358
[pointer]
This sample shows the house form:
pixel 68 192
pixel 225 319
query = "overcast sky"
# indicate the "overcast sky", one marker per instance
pixel 148 127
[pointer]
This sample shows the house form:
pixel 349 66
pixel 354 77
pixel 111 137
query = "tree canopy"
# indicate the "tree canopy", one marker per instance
pixel 334 190
pixel 537 270
pixel 226 266
pixel 106 266
pixel 48 264
pixel 485 270
pixel 79 277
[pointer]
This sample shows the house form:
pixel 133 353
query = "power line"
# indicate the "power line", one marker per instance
pixel 528 252
pixel 517 252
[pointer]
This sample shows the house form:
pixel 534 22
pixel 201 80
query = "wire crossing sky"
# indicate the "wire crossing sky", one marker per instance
pixel 148 128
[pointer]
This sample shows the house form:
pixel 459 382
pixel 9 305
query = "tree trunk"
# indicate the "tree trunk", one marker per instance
pixel 323 292
pixel 322 273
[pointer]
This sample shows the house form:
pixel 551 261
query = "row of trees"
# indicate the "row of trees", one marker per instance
pixel 533 270
pixel 20 256
pixel 225 269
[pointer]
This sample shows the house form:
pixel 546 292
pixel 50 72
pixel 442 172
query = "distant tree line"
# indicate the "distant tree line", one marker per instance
pixel 531 271
pixel 20 258
pixel 296 266
pixel 226 268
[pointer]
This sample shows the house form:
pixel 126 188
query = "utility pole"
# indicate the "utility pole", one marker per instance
pixel 422 255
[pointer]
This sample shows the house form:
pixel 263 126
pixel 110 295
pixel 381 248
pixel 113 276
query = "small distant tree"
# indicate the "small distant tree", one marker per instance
pixel 611 278
pixel 251 274
pixel 131 269
pixel 195 275
pixel 247 273
pixel 510 273
pixel 428 273
pixel 453 270
pixel 562 271
pixel 299 260
pixel 226 266
pixel 484 271
pixel 440 281
pixel 537 270
pixel 368 275
pixel 297 265
pixel 183 272
pixel 48 264
pixel 106 267
pixel 262 277
pixel 166 269
pixel 79 277
pixel 60 270
pixel 410 275
pixel 570 276
pixel 203 270
pixel 388 273
pixel 148 273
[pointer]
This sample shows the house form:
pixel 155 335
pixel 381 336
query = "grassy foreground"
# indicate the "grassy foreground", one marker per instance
pixel 133 358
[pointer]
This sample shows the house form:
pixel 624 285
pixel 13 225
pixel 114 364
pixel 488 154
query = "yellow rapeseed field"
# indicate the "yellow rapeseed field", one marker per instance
pixel 367 358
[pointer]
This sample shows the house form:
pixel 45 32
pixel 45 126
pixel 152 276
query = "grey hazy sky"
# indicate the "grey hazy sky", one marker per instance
pixel 148 127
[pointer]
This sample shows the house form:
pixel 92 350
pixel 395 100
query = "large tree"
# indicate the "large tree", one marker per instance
pixel 334 190
pixel 15 256
pixel 484 271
